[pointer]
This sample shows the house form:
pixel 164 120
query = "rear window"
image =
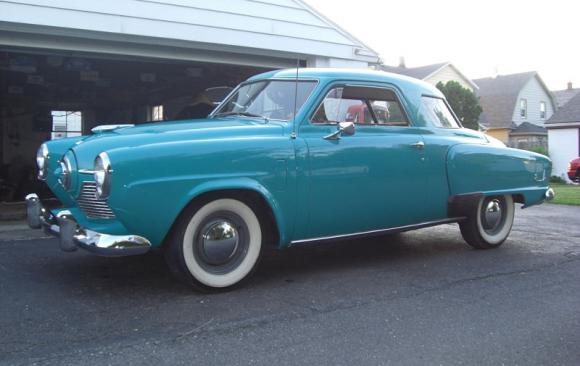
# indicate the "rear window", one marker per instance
pixel 439 113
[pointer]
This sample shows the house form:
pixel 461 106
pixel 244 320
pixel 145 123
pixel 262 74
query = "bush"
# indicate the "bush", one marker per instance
pixel 557 179
pixel 540 149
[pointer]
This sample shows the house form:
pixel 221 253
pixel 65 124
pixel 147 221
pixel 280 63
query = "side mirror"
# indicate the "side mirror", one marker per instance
pixel 218 94
pixel 343 127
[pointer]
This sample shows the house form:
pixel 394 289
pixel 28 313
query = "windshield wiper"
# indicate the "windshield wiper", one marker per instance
pixel 245 114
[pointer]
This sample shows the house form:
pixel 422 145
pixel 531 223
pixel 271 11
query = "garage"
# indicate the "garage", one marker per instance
pixel 68 67
pixel 47 95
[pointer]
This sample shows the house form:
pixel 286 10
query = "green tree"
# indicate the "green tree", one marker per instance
pixel 463 102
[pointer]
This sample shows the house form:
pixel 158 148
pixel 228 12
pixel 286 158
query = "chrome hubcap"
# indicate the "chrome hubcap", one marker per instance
pixel 492 215
pixel 219 242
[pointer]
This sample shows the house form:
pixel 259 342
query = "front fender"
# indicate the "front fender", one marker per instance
pixel 494 170
pixel 56 150
pixel 245 183
pixel 152 185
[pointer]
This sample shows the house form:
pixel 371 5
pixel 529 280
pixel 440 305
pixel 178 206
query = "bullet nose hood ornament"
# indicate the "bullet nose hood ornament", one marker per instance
pixel 109 128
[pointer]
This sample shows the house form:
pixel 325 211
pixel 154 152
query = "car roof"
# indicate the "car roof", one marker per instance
pixel 402 81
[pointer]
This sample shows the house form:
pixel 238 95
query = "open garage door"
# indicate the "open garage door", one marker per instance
pixel 46 95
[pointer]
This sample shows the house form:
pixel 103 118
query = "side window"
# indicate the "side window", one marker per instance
pixel 361 105
pixel 334 108
pixel 439 113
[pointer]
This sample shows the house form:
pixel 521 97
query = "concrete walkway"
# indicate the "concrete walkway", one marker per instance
pixel 11 211
pixel 13 225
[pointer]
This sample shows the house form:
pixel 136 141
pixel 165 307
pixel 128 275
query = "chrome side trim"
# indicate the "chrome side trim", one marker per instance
pixel 373 233
pixel 86 171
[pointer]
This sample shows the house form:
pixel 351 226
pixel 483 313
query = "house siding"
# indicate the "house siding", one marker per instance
pixel 448 74
pixel 283 26
pixel 534 93
pixel 501 134
pixel 524 141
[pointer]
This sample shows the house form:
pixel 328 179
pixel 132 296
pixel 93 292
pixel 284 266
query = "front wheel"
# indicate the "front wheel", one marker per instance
pixel 490 225
pixel 215 245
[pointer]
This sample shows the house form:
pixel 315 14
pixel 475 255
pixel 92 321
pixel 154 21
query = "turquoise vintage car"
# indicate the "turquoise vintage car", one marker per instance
pixel 284 159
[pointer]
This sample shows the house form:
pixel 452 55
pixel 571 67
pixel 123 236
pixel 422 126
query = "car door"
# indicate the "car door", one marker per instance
pixel 371 180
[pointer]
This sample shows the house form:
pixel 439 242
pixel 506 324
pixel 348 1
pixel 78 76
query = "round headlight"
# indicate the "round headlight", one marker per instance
pixel 66 171
pixel 103 175
pixel 42 161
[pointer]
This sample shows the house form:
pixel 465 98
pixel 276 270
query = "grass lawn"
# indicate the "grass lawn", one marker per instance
pixel 566 194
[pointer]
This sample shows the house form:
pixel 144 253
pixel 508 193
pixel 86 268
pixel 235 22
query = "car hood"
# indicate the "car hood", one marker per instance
pixel 110 138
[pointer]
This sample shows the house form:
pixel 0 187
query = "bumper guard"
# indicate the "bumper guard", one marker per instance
pixel 73 236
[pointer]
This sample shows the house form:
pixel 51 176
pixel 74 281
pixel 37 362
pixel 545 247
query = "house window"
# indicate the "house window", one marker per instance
pixel 66 124
pixel 543 110
pixel 157 113
pixel 523 108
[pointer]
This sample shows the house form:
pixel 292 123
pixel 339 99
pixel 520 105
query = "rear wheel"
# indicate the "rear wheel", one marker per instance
pixel 215 245
pixel 490 225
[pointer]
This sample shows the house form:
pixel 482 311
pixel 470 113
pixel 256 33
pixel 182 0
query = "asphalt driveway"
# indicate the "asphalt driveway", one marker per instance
pixel 418 298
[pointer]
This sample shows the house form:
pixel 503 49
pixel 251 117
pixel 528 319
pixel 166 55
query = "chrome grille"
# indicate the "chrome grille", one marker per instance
pixel 92 207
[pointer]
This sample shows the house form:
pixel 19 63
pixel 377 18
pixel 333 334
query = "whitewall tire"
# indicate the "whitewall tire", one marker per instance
pixel 215 245
pixel 490 225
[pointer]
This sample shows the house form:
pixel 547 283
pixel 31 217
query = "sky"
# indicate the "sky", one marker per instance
pixel 477 36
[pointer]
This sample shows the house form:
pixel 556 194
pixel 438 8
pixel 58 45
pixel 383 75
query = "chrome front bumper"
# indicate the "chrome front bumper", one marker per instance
pixel 73 236
pixel 549 195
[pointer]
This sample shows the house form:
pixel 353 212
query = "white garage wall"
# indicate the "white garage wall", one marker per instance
pixel 563 148
pixel 276 28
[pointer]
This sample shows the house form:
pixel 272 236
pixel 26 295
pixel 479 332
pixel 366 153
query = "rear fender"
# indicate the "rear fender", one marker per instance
pixel 492 170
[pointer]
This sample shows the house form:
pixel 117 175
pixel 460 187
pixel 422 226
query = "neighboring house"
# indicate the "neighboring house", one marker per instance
pixel 563 96
pixel 433 74
pixel 528 135
pixel 564 135
pixel 508 101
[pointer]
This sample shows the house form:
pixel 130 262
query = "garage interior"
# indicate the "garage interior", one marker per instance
pixel 45 94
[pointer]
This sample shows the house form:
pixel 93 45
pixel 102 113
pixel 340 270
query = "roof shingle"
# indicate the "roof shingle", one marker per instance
pixel 415 72
pixel 569 113
pixel 498 97
pixel 527 128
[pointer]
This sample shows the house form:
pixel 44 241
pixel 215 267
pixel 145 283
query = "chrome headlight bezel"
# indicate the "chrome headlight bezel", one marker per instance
pixel 42 161
pixel 103 175
pixel 66 173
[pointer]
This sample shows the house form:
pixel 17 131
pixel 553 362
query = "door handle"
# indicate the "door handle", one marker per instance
pixel 420 145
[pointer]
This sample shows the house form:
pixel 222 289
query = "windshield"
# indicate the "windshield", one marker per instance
pixel 269 99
